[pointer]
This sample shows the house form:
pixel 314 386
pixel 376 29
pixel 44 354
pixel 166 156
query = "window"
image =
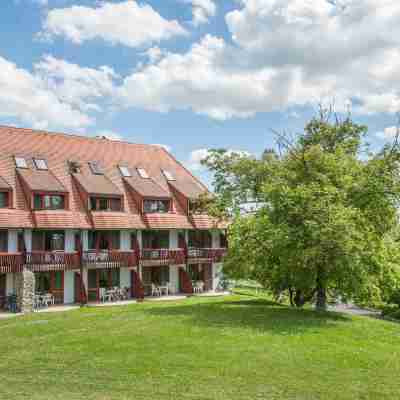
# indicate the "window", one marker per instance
pixel 125 171
pixel 200 239
pixel 156 206
pixel 104 240
pixel 40 164
pixel 4 199
pixel 49 202
pixel 3 241
pixel 20 162
pixel 168 175
pixel 48 240
pixel 105 203
pixel 143 173
pixel 95 168
pixel 155 239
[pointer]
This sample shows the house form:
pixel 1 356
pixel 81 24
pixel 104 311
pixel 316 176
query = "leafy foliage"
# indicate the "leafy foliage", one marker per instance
pixel 317 217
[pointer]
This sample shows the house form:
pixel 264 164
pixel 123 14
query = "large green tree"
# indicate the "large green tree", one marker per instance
pixel 316 215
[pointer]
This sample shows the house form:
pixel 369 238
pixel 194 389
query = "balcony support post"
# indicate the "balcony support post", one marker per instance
pixel 25 290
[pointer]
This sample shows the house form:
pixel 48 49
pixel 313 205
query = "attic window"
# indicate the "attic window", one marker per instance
pixel 40 164
pixel 143 173
pixel 95 168
pixel 20 162
pixel 124 171
pixel 168 175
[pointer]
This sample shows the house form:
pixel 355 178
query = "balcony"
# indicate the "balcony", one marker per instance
pixel 39 261
pixel 205 255
pixel 150 257
pixel 110 259
pixel 11 262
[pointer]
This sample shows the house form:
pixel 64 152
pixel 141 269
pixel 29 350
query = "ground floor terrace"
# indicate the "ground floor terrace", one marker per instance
pixel 100 283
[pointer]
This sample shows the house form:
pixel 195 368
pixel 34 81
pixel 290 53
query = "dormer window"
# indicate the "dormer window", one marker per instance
pixel 48 201
pixel 105 203
pixel 143 173
pixel 20 162
pixel 168 175
pixel 95 168
pixel 156 206
pixel 40 164
pixel 124 171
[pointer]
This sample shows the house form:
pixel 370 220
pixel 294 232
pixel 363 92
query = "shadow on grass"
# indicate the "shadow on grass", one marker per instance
pixel 256 314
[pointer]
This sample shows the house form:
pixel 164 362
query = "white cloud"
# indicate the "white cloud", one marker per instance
pixel 388 133
pixel 127 22
pixel 202 11
pixel 76 85
pixel 286 53
pixel 109 134
pixel 28 98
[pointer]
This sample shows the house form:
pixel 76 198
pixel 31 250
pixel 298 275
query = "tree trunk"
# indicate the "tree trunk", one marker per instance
pixel 320 304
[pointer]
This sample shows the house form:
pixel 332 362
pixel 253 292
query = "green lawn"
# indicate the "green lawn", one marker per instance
pixel 235 347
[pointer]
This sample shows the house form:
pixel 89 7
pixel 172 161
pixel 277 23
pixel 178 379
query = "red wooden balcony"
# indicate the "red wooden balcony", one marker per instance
pixel 206 254
pixel 110 258
pixel 11 262
pixel 52 261
pixel 162 256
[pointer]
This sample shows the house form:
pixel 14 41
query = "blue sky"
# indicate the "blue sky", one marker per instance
pixel 197 74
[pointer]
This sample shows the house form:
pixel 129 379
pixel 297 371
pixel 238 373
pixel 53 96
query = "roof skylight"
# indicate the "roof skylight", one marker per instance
pixel 20 162
pixel 124 171
pixel 168 175
pixel 40 164
pixel 143 173
pixel 95 168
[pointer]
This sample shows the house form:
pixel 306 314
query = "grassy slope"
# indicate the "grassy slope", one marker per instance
pixel 231 348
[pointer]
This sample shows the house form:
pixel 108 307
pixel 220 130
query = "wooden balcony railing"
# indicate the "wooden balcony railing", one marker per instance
pixel 11 262
pixel 51 261
pixel 110 259
pixel 210 254
pixel 163 256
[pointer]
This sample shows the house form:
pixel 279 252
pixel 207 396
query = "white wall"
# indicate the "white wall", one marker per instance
pixel 125 277
pixel 174 278
pixel 12 240
pixel 216 274
pixel 173 239
pixel 126 240
pixel 85 240
pixel 70 240
pixel 69 287
pixel 28 239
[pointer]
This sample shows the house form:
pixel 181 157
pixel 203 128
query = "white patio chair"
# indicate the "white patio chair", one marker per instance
pixel 155 290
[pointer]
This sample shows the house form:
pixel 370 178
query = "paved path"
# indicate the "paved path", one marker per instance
pixel 354 310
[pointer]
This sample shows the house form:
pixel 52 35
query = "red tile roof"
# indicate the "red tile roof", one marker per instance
pixel 58 150
pixel 189 188
pixel 41 181
pixel 4 185
pixel 201 221
pixel 97 185
pixel 167 221
pixel 147 188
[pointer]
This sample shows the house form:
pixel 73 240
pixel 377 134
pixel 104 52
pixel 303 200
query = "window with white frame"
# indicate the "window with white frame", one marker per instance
pixel 20 162
pixel 142 173
pixel 168 175
pixel 124 171
pixel 40 164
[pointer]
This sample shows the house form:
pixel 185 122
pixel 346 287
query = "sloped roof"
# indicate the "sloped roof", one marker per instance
pixel 4 185
pixel 147 187
pixel 202 221
pixel 97 184
pixel 41 181
pixel 58 149
pixel 190 189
